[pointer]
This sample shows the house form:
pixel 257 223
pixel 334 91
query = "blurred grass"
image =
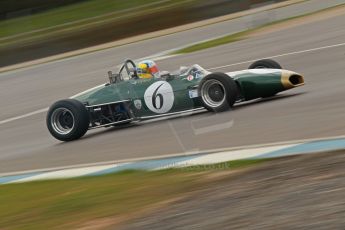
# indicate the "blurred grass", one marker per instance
pixel 214 42
pixel 73 203
pixel 90 11
pixel 70 203
pixel 244 34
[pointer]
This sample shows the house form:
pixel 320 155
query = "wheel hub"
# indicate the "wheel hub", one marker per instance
pixel 62 121
pixel 213 93
pixel 216 93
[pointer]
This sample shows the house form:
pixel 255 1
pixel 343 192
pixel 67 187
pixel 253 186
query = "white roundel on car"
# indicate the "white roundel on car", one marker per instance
pixel 159 97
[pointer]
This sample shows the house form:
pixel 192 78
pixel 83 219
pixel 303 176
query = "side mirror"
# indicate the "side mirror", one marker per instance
pixel 113 78
pixel 166 75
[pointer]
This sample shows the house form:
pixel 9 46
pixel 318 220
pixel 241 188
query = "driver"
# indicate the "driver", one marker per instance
pixel 147 69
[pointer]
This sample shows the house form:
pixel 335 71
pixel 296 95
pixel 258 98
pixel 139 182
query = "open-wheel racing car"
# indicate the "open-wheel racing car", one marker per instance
pixel 126 97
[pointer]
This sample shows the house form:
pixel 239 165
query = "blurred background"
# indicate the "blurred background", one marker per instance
pixel 306 36
pixel 34 29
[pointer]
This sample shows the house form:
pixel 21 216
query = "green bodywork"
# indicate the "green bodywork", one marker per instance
pixel 134 90
pixel 251 84
pixel 259 85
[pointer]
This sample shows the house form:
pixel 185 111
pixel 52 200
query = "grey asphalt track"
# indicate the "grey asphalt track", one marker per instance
pixel 316 110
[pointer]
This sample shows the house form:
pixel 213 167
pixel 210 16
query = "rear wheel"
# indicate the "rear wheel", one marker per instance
pixel 265 64
pixel 67 120
pixel 218 92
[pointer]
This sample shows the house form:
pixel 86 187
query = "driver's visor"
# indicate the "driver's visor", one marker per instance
pixel 153 69
pixel 139 70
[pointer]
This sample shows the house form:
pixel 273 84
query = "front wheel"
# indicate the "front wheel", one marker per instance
pixel 67 120
pixel 218 92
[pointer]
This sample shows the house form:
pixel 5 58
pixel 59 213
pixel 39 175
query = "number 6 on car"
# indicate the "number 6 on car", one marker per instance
pixel 127 97
pixel 159 97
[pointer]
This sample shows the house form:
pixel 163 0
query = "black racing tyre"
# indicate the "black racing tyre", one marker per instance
pixel 265 64
pixel 67 120
pixel 218 92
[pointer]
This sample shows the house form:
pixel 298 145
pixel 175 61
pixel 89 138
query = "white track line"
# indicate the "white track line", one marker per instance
pixel 66 173
pixel 212 68
pixel 23 116
pixel 42 110
pixel 219 157
pixel 281 55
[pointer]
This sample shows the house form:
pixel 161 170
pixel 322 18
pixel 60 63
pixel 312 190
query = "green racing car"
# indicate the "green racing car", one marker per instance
pixel 127 97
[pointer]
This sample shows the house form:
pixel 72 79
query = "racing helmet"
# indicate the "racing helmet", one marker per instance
pixel 147 69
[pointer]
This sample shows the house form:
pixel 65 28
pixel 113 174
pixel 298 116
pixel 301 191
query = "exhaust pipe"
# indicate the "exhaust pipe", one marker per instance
pixel 291 79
